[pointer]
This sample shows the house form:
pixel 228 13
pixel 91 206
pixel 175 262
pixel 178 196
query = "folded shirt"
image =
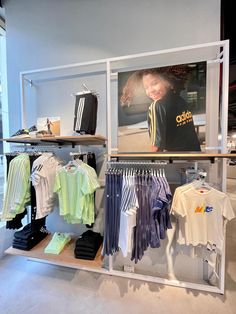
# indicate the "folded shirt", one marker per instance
pixel 87 245
pixel 89 239
pixel 28 231
pixel 84 250
pixel 85 256
pixel 57 243
pixel 30 243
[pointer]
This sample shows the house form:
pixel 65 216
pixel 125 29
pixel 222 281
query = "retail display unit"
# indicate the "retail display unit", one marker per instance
pixel 216 54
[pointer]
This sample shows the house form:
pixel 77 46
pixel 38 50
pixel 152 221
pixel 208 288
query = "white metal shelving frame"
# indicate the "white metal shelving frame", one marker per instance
pixel 222 57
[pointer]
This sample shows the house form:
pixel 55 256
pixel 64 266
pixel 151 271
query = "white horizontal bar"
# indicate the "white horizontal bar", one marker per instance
pixel 212 147
pixel 175 283
pixel 145 278
pixel 133 56
pixel 172 50
pixel 67 66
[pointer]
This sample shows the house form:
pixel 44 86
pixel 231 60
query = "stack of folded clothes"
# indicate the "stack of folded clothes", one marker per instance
pixel 87 245
pixel 28 237
pixel 57 243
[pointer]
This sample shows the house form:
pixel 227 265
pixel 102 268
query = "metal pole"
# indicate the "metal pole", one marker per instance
pixel 22 101
pixel 109 138
pixel 224 132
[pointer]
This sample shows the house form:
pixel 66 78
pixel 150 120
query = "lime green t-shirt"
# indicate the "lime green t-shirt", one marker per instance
pixel 75 186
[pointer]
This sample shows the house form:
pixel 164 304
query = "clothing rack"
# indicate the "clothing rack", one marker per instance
pixel 137 163
pixel 110 65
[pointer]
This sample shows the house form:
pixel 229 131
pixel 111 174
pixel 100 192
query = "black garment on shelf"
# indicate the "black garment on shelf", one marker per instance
pixel 16 223
pixel 87 245
pixel 28 237
pixel 85 115
pixel 30 243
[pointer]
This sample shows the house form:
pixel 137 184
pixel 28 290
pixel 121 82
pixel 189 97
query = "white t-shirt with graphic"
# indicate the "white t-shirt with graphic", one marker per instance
pixel 202 216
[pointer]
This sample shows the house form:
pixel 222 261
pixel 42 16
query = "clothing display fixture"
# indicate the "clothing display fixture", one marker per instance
pixel 133 228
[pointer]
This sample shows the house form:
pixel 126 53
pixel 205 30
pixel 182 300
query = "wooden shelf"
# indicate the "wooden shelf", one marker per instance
pixel 65 258
pixel 61 140
pixel 170 156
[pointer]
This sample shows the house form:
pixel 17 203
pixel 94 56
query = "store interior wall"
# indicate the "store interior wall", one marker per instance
pixel 51 33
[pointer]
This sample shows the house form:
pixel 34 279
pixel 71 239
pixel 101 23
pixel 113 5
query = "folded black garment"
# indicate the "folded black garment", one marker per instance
pixel 89 239
pixel 87 245
pixel 33 237
pixel 84 250
pixel 16 223
pixel 90 234
pixel 26 232
pixel 31 243
pixel 84 256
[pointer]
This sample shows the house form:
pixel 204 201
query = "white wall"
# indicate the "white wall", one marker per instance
pixel 54 32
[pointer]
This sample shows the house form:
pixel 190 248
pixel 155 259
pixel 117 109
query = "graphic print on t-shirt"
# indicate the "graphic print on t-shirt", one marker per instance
pixel 203 209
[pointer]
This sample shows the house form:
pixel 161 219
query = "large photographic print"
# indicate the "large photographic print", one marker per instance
pixel 162 109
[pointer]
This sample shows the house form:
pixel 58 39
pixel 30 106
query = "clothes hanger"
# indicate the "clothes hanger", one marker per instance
pixel 201 184
pixel 85 91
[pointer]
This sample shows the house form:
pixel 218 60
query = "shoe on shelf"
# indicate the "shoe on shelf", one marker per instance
pixel 22 133
pixel 33 128
pixel 32 131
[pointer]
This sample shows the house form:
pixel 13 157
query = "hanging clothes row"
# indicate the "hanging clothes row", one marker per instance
pixel 136 210
pixel 31 181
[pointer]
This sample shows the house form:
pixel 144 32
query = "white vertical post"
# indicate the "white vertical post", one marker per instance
pixel 22 101
pixel 224 109
pixel 108 107
pixel 110 257
pixel 224 132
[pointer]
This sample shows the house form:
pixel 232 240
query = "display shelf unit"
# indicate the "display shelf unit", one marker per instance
pixel 65 258
pixel 61 140
pixel 221 56
pixel 169 156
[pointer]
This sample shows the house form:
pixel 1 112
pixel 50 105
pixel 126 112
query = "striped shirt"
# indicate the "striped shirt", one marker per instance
pixel 17 194
pixel 152 123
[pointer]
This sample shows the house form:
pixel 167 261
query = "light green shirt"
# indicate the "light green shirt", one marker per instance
pixel 17 194
pixel 57 243
pixel 75 186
